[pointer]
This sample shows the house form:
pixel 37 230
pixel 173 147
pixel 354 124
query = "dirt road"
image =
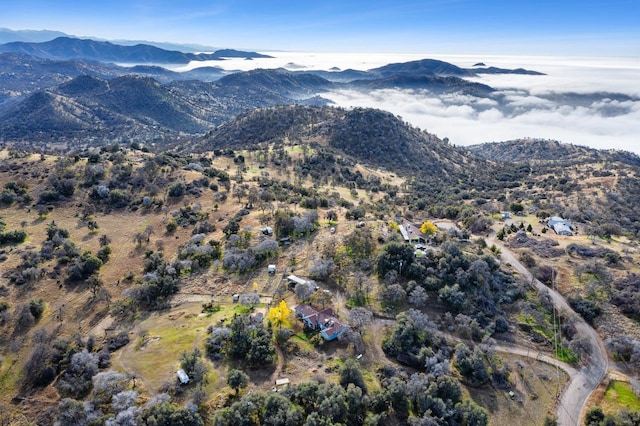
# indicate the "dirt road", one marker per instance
pixel 593 368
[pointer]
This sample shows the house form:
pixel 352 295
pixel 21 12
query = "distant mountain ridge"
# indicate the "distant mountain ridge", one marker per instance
pixel 201 104
pixel 547 150
pixel 91 107
pixel 442 69
pixel 433 83
pixel 63 48
pixel 130 105
pixel 7 35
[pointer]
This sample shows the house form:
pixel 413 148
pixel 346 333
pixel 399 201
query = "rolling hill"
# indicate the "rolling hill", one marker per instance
pixel 525 150
pixel 360 133
pixel 87 106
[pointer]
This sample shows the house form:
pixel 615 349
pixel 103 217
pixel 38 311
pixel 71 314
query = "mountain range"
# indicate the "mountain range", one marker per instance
pixel 62 48
pixel 38 36
pixel 69 89
pixel 108 101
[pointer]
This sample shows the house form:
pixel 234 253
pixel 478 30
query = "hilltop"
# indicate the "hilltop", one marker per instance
pixel 360 133
pixel 524 150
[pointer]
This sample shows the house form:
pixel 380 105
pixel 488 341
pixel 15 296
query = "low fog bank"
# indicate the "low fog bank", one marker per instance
pixel 534 106
pixel 466 120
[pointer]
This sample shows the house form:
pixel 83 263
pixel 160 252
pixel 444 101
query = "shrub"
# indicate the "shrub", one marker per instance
pixel 585 307
pixel 13 237
pixel 177 190
pixel 36 307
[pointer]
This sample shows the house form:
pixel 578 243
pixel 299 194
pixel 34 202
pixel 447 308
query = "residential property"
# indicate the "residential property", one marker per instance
pixel 305 313
pixel 325 321
pixel 411 233
pixel 560 226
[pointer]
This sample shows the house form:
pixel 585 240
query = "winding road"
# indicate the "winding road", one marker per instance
pixel 593 369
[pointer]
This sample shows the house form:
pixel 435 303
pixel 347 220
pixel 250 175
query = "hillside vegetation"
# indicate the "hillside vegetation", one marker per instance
pixel 124 263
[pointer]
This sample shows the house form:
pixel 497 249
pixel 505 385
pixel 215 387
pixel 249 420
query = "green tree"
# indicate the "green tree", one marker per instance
pixel 395 257
pixel 516 207
pixel 350 373
pixel 237 380
pixel 261 350
pixel 240 338
pixel 471 364
pixel 168 414
pixel 594 417
pixel 193 365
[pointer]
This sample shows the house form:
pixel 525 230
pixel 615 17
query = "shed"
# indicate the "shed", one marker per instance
pixel 183 377
pixel 560 226
pixel 294 280
pixel 282 383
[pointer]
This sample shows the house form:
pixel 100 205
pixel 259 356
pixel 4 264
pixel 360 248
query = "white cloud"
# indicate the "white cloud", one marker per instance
pixel 466 120
pixel 536 118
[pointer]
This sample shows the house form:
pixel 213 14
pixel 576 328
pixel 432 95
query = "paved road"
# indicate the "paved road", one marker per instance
pixel 593 369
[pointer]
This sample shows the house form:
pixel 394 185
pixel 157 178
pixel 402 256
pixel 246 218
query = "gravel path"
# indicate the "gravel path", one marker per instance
pixel 574 399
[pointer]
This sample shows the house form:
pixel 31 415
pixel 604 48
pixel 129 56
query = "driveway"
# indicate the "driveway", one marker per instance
pixel 593 368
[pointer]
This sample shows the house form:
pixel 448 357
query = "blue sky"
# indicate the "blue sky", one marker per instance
pixel 541 27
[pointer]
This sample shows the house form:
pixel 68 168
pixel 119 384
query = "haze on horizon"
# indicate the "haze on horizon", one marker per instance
pixel 544 27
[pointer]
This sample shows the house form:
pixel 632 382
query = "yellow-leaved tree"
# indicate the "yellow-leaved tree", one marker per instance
pixel 428 228
pixel 280 315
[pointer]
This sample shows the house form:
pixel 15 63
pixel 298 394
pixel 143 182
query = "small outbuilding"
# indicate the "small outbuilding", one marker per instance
pixel 183 377
pixel 294 281
pixel 282 383
pixel 560 226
